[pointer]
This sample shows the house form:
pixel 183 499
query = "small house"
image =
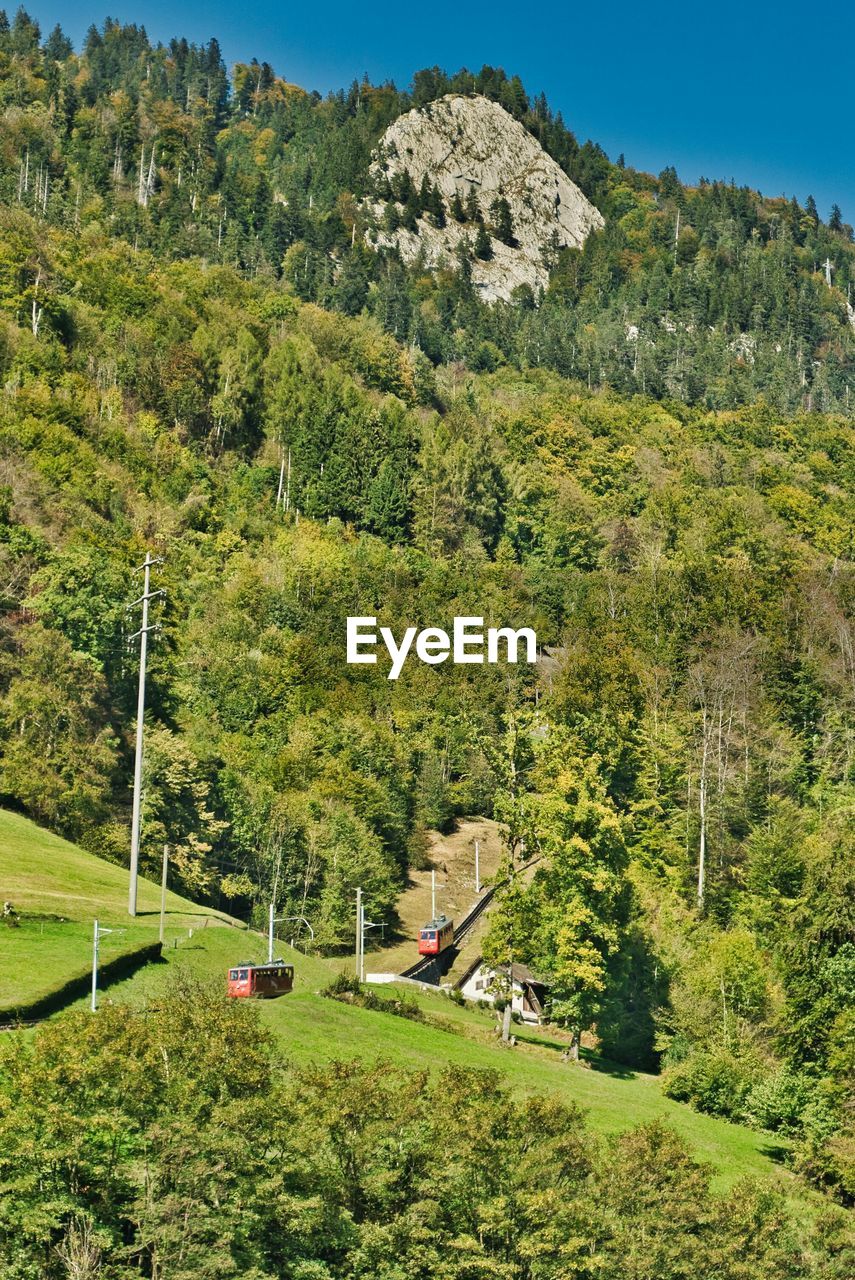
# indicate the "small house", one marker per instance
pixel 483 982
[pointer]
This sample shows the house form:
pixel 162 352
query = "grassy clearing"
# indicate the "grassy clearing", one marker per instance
pixel 452 857
pixel 58 891
pixel 42 874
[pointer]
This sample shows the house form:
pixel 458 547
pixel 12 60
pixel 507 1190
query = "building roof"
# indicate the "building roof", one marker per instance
pixel 519 973
pixel 522 973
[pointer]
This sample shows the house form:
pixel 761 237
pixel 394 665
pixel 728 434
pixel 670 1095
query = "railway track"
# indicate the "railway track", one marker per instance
pixel 428 963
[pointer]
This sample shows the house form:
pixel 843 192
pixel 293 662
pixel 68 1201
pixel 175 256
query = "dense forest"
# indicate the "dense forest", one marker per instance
pixel 651 465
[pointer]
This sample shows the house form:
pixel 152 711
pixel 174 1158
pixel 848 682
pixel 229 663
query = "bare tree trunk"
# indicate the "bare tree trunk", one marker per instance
pixel 37 310
pixel 702 807
pixel 506 1022
pixel 79 1251
pixel 149 182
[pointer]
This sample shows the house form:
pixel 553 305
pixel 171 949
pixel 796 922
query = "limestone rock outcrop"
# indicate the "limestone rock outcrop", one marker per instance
pixel 471 144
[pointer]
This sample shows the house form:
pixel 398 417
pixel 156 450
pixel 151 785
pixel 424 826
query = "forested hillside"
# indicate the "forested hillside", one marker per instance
pixel 214 1161
pixel 711 294
pixel 202 357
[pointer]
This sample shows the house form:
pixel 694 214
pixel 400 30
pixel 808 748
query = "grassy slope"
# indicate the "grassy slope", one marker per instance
pixel 41 873
pixel 312 1028
pixel 58 891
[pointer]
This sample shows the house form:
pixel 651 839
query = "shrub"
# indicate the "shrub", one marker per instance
pixel 342 984
pixel 779 1102
pixel 714 1082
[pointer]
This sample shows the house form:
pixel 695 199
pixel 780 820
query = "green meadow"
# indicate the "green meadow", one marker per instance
pixel 59 889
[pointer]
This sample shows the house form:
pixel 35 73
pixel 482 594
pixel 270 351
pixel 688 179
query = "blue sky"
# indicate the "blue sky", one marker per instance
pixel 758 92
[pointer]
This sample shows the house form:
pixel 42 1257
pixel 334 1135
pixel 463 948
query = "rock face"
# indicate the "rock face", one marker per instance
pixel 470 144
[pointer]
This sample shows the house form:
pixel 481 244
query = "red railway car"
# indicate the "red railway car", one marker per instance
pixel 436 936
pixel 264 981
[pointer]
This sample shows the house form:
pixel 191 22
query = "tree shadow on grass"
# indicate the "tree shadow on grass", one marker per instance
pixel 589 1060
pixel 777 1152
pixel 607 1067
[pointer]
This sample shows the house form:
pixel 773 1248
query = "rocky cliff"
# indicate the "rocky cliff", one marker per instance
pixel 474 154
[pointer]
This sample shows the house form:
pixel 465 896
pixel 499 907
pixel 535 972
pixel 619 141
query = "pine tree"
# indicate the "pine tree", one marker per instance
pixel 58 47
pixel 502 221
pixel 412 211
pixel 382 187
pixel 391 217
pixel 402 186
pixel 436 206
pixel 473 208
pixel 483 244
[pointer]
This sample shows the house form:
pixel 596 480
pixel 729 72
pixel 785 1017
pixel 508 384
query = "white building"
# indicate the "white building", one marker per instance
pixel 482 982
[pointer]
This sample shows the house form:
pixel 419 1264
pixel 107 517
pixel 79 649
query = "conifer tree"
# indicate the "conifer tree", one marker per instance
pixel 473 208
pixel 502 221
pixel 483 244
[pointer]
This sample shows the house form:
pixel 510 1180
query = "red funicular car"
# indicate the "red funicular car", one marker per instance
pixel 436 936
pixel 264 981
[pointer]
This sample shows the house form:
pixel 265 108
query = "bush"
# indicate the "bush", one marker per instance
pixel 398 1006
pixel 347 988
pixel 343 984
pixel 779 1102
pixel 714 1082
pixel 828 1159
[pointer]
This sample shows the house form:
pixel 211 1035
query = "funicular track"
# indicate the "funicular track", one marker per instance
pixel 431 968
pixel 430 964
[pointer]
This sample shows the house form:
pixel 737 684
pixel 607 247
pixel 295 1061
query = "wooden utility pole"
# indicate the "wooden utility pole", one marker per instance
pixel 163 888
pixel 144 599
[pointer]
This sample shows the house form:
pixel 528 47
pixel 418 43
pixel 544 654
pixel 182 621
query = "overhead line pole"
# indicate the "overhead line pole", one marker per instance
pixel 163 888
pixel 433 889
pixel 97 934
pixel 144 599
pixel 273 920
pixel 359 937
